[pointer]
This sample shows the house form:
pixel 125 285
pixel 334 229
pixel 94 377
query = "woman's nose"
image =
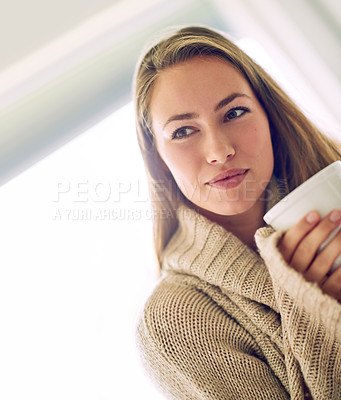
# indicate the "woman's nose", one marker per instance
pixel 218 148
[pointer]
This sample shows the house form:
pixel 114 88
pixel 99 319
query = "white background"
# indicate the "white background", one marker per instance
pixel 76 266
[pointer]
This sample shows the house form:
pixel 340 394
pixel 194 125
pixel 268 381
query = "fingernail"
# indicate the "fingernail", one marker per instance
pixel 312 217
pixel 335 216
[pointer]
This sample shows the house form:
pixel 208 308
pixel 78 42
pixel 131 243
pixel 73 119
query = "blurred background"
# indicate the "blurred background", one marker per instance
pixel 76 256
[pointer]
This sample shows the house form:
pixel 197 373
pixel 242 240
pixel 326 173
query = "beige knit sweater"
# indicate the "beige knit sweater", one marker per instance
pixel 224 323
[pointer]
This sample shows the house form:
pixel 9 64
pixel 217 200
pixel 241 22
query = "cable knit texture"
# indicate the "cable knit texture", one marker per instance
pixel 227 323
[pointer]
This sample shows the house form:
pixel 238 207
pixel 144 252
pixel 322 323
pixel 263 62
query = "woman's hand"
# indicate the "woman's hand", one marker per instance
pixel 299 247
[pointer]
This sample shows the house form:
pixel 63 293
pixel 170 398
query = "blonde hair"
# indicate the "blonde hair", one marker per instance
pixel 300 149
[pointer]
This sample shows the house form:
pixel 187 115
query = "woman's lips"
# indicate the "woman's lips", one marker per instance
pixel 228 179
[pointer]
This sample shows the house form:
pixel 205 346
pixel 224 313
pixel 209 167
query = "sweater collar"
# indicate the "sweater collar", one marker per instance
pixel 206 250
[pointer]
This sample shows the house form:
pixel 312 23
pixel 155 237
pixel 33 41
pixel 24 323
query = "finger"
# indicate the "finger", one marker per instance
pixel 307 249
pixel 332 285
pixel 319 270
pixel 294 235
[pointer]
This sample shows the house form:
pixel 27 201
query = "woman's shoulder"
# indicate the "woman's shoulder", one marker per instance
pixel 184 310
pixel 192 346
pixel 176 297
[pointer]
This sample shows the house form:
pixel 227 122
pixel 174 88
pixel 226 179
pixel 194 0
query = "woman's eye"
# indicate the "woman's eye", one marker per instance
pixel 235 113
pixel 182 133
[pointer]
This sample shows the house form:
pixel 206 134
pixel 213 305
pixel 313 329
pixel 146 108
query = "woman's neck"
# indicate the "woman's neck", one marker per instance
pixel 243 225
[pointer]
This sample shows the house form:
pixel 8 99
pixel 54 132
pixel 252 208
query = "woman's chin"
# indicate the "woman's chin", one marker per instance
pixel 226 208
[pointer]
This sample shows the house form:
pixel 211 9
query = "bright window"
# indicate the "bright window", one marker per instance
pixel 77 265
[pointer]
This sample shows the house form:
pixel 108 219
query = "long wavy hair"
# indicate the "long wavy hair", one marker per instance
pixel 300 149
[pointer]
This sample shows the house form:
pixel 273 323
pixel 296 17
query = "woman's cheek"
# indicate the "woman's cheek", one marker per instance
pixel 181 162
pixel 256 142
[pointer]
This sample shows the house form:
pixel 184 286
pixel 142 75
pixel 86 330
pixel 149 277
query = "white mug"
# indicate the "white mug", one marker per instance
pixel 321 192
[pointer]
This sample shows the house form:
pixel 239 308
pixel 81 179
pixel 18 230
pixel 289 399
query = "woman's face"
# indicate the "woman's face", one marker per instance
pixel 212 134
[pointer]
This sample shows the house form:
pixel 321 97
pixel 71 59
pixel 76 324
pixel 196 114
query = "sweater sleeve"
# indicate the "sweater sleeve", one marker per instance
pixel 193 349
pixel 311 322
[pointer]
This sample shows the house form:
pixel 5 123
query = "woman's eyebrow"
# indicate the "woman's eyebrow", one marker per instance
pixel 228 100
pixel 180 117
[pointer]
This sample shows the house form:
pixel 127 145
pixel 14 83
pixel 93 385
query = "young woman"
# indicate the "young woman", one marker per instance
pixel 241 311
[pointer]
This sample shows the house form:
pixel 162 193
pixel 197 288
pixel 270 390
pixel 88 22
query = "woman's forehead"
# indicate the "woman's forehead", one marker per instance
pixel 189 81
